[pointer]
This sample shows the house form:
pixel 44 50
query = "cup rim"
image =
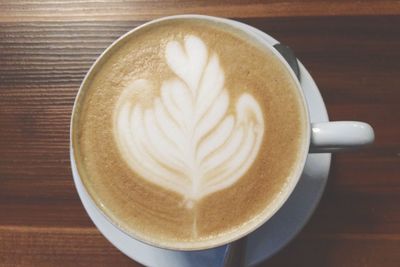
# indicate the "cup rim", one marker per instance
pixel 268 212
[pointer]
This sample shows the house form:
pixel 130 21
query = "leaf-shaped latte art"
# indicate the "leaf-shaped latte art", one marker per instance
pixel 186 140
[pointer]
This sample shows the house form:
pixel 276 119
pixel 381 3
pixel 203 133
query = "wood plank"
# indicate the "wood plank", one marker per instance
pixel 62 10
pixel 64 247
pixel 337 250
pixel 30 246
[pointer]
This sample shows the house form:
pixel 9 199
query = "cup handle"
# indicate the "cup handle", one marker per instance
pixel 340 135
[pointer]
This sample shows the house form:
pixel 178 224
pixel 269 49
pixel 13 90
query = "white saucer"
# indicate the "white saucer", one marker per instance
pixel 265 241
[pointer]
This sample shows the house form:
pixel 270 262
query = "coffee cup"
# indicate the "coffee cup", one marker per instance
pixel 189 132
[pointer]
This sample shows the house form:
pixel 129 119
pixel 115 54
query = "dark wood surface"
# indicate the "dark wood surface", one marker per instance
pixel 352 49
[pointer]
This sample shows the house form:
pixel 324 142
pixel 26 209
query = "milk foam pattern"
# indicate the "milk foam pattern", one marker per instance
pixel 191 140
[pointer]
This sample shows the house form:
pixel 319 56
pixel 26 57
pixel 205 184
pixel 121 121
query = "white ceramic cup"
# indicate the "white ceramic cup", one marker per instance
pixel 319 137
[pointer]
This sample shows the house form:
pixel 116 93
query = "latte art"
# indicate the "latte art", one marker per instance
pixel 192 139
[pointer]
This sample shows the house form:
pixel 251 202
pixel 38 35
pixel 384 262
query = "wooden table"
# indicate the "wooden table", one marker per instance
pixel 352 49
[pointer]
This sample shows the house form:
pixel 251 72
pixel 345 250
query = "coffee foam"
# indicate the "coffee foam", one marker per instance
pixel 187 141
pixel 135 84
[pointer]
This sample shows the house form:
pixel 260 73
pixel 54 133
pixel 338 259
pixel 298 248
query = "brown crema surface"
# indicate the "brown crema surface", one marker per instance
pixel 146 210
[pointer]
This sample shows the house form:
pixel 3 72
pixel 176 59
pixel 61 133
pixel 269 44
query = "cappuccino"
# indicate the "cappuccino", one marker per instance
pixel 186 132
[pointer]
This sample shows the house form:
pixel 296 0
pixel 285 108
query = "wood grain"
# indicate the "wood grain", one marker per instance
pixel 94 10
pixel 59 246
pixel 46 48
